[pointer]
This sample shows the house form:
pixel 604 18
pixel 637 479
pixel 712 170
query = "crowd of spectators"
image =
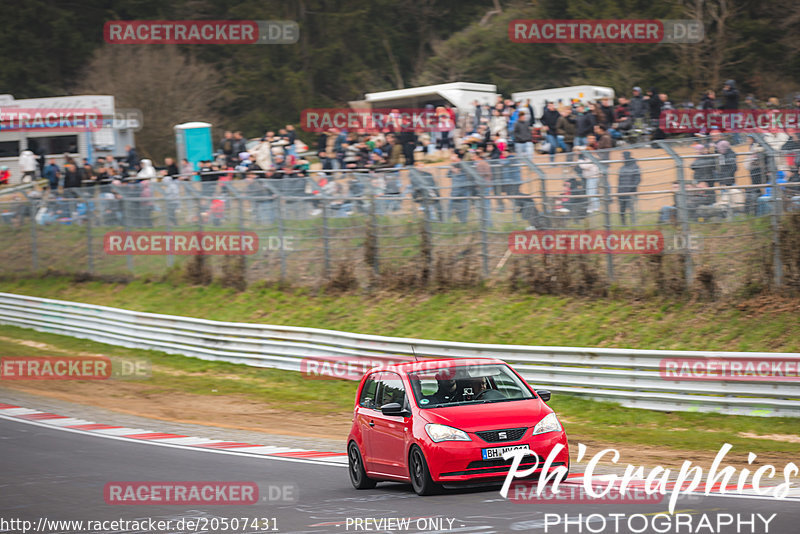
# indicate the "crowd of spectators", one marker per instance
pixel 486 138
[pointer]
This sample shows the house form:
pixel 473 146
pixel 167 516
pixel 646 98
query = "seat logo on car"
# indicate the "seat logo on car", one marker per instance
pixel 502 435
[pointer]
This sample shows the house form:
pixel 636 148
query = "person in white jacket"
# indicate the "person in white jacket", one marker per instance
pixel 148 171
pixel 27 164
pixel 591 174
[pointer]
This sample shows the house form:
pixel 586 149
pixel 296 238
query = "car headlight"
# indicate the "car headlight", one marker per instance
pixel 445 433
pixel 548 424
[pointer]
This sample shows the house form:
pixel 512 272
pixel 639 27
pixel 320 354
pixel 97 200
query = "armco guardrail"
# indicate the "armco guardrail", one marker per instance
pixel 630 377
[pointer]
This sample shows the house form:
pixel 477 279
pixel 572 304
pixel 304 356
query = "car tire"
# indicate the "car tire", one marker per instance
pixel 355 466
pixel 420 475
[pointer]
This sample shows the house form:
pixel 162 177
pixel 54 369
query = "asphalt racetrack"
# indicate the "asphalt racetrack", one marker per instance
pixel 55 475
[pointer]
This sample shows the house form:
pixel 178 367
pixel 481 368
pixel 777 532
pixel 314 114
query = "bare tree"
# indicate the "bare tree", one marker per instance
pixel 168 87
pixel 704 63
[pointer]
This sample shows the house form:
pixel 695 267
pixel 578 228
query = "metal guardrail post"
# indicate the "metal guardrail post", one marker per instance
pixel 777 209
pixel 606 185
pixel 683 211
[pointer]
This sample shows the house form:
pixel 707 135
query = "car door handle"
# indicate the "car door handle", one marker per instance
pixel 372 423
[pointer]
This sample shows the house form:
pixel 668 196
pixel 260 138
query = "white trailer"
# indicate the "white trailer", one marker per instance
pixel 562 95
pixel 53 139
pixel 460 95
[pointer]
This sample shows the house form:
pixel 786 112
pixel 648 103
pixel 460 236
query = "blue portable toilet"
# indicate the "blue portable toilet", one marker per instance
pixel 193 142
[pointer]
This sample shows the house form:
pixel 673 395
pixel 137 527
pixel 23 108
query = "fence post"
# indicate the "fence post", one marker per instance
pixel 90 255
pixel 372 233
pixel 777 209
pixel 606 185
pixel 542 186
pixel 484 211
pixel 683 211
pixel 240 202
pixel 326 245
pixel 125 205
pixel 34 248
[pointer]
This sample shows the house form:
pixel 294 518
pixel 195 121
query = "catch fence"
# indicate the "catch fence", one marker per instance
pixel 448 225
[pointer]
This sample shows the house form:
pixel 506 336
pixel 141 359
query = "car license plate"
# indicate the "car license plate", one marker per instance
pixel 497 452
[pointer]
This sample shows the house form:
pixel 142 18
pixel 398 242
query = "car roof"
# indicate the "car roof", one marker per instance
pixel 427 364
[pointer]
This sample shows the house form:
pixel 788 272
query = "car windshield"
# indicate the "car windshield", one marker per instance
pixel 467 384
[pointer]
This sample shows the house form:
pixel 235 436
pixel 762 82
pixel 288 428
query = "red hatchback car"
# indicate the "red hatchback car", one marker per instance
pixel 447 423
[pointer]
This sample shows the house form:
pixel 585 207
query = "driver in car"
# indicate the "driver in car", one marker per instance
pixel 473 389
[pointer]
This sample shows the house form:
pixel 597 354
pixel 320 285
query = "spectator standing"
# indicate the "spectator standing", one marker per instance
pixel 590 173
pixel 708 101
pixel 498 124
pixel 622 116
pixel 425 192
pixel 565 131
pixel 639 109
pixel 549 119
pixel 523 140
pixel 630 177
pixel 73 176
pixel 53 175
pixel 226 145
pixel 239 143
pixel 171 168
pixel 584 125
pixel 730 97
pixel 703 167
pixel 28 165
pixel 187 169
pixel 132 159
pixel 726 164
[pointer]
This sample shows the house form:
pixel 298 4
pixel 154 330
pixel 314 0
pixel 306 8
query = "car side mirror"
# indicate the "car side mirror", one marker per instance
pixel 393 408
pixel 544 394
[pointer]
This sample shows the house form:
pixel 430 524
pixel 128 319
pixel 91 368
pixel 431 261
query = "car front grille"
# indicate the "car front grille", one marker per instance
pixel 500 436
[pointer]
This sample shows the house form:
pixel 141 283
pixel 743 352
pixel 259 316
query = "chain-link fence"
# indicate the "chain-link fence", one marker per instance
pixel 729 222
